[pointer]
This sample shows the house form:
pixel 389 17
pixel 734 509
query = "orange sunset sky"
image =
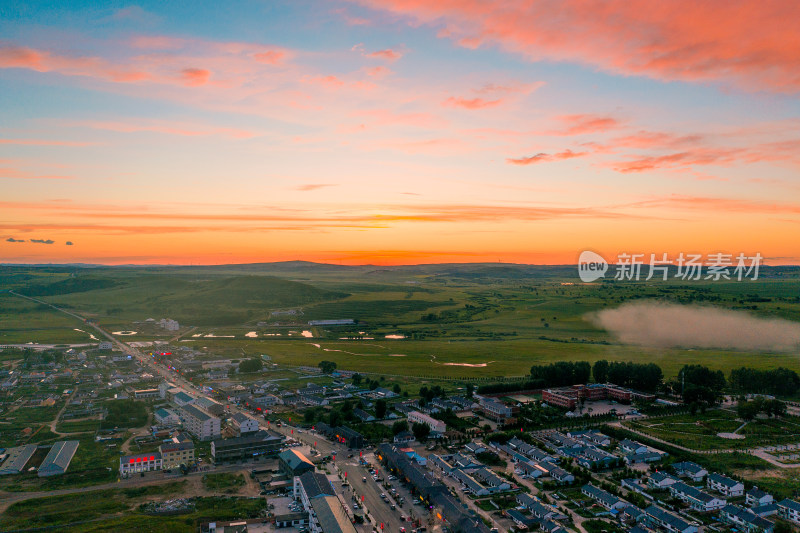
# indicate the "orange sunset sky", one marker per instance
pixel 398 131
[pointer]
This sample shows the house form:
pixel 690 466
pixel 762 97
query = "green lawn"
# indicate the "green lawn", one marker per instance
pixel 699 432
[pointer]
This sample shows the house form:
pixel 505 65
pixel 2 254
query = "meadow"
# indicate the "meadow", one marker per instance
pixel 459 321
pixel 699 431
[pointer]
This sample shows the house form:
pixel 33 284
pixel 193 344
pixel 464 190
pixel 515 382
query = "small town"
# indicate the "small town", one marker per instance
pixel 342 452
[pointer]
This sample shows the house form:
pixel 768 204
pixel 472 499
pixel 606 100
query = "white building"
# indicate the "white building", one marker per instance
pixel 789 510
pixel 143 462
pixel 243 423
pixel 725 485
pixel 199 423
pixel 437 427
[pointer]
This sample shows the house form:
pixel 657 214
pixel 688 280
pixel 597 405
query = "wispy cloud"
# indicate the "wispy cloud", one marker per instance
pixel 43 241
pixel 313 186
pixel 542 157
pixel 583 124
pixel 470 103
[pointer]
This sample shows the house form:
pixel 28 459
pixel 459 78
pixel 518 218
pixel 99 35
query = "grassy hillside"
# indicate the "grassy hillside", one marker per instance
pixel 212 301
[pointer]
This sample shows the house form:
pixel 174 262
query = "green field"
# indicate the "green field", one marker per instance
pixel 699 431
pixel 120 510
pixel 460 321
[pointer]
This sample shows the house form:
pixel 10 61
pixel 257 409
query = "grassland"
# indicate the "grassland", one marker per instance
pixel 120 510
pixel 699 431
pixel 497 319
pixel 224 482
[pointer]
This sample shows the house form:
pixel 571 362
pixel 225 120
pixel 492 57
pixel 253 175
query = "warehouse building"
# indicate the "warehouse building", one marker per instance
pixel 59 458
pixel 16 459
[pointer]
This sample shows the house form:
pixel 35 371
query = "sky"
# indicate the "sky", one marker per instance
pixel 398 131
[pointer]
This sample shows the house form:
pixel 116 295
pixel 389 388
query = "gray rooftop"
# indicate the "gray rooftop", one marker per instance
pixel 58 458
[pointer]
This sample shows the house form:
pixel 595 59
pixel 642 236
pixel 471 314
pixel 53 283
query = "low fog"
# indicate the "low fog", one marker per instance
pixel 668 325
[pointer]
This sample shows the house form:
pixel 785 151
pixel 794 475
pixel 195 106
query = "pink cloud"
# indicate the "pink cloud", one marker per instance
pixel 583 124
pixel 388 54
pixel 158 42
pixel 378 72
pixel 270 57
pixel 753 46
pixel 313 186
pixel 194 77
pixel 542 157
pixel 471 103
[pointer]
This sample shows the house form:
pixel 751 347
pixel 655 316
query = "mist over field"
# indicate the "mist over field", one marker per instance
pixel 669 325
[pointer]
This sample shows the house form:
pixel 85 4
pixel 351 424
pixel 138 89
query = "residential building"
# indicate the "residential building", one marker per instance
pixel 724 485
pixel 144 394
pixel 646 457
pixel 789 510
pixel 58 458
pixel 604 498
pixel 745 519
pixel 363 415
pixel 200 423
pixel 181 398
pixel 474 447
pixel 655 516
pixel 628 446
pixel 533 504
pixel 404 437
pixel 210 406
pixel 175 454
pixel 496 410
pixel 437 427
pixel 696 498
pixel 756 497
pixel 243 424
pixel 693 471
pixel 661 480
pixel 166 417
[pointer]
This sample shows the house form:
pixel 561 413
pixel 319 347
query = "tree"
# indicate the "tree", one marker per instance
pixel 380 409
pixel 327 366
pixel 470 390
pixel 748 410
pixel 600 371
pixel 701 384
pixel 335 419
pixel 420 431
pixel 357 379
pixel 250 365
pixel 399 427
pixel 396 389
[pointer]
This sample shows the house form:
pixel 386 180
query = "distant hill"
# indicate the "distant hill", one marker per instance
pixel 214 301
